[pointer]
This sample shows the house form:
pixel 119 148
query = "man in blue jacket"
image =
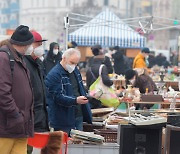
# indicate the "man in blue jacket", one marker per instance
pixel 68 105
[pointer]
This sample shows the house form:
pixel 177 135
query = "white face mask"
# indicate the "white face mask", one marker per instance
pixel 55 51
pixel 29 50
pixel 39 51
pixel 70 68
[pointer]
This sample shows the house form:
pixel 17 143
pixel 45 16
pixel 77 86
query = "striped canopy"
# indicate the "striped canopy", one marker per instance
pixel 107 30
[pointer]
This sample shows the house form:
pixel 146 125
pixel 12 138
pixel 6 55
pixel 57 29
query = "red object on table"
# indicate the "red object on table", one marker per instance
pixel 41 139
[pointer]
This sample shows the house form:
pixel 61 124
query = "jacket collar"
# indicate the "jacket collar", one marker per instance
pixel 33 61
pixel 141 55
pixel 17 56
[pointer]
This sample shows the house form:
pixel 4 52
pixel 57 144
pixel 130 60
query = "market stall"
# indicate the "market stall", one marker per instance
pixel 107 30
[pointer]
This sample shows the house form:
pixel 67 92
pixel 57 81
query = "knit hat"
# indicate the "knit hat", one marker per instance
pixel 37 37
pixel 145 50
pixel 22 36
pixel 130 74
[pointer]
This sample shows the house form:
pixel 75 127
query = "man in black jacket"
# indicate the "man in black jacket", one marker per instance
pixel 121 62
pixel 35 67
pixel 93 72
pixel 100 58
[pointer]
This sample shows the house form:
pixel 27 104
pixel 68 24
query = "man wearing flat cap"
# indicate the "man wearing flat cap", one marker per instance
pixel 16 97
pixel 141 60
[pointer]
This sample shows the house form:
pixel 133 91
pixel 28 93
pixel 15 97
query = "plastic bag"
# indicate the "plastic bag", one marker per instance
pixel 105 94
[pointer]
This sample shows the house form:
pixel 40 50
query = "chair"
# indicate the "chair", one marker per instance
pixel 41 139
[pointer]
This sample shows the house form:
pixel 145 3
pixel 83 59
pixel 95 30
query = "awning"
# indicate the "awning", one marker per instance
pixel 107 30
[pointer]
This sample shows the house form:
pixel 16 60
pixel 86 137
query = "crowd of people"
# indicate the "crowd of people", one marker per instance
pixel 41 93
pixel 36 94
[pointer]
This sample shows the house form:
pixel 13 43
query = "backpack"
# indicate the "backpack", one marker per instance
pixel 11 58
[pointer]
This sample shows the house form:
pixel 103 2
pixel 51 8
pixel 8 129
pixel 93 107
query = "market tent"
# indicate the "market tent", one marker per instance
pixel 107 30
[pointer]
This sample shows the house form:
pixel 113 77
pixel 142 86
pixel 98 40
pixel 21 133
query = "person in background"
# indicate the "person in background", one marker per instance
pixel 140 79
pixel 35 66
pixel 99 58
pixel 174 58
pixel 141 60
pixel 72 44
pixel 152 60
pixel 161 60
pixel 121 62
pixel 68 105
pixel 52 58
pixel 91 76
pixel 16 97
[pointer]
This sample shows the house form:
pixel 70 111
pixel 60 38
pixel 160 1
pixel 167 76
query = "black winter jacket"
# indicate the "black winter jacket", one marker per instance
pixel 121 63
pixel 101 59
pixel 51 60
pixel 93 73
pixel 37 81
pixel 91 76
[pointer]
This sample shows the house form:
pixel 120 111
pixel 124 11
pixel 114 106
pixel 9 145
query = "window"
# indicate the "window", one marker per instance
pixel 4 19
pixel 67 2
pixel 13 17
pixel 106 2
pixel 13 1
pixel 32 22
pixel 32 3
pixel 45 3
pixel 37 3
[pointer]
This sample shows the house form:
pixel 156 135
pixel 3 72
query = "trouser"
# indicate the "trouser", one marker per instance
pixel 79 123
pixel 78 126
pixel 13 145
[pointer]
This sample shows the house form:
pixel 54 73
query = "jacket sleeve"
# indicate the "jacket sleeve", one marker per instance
pixel 55 89
pixel 7 102
pixel 108 64
pixel 105 78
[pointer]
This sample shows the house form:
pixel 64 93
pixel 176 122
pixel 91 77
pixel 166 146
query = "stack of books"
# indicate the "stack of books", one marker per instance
pixel 86 137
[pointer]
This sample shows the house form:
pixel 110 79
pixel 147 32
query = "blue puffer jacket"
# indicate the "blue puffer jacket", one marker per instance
pixel 60 98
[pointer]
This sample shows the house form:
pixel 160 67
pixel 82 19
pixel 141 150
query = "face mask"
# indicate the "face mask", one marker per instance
pixel 29 50
pixel 70 68
pixel 55 51
pixel 39 51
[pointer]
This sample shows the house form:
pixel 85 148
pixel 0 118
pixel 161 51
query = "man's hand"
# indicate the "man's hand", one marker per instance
pixel 82 100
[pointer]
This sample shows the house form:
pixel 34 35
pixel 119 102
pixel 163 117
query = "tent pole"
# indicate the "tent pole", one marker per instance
pixel 66 38
pixel 66 25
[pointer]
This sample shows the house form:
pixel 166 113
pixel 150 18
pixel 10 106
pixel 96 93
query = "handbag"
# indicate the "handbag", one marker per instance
pixel 101 92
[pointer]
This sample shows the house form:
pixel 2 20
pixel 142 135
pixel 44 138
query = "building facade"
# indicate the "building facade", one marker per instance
pixel 47 17
pixel 9 15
